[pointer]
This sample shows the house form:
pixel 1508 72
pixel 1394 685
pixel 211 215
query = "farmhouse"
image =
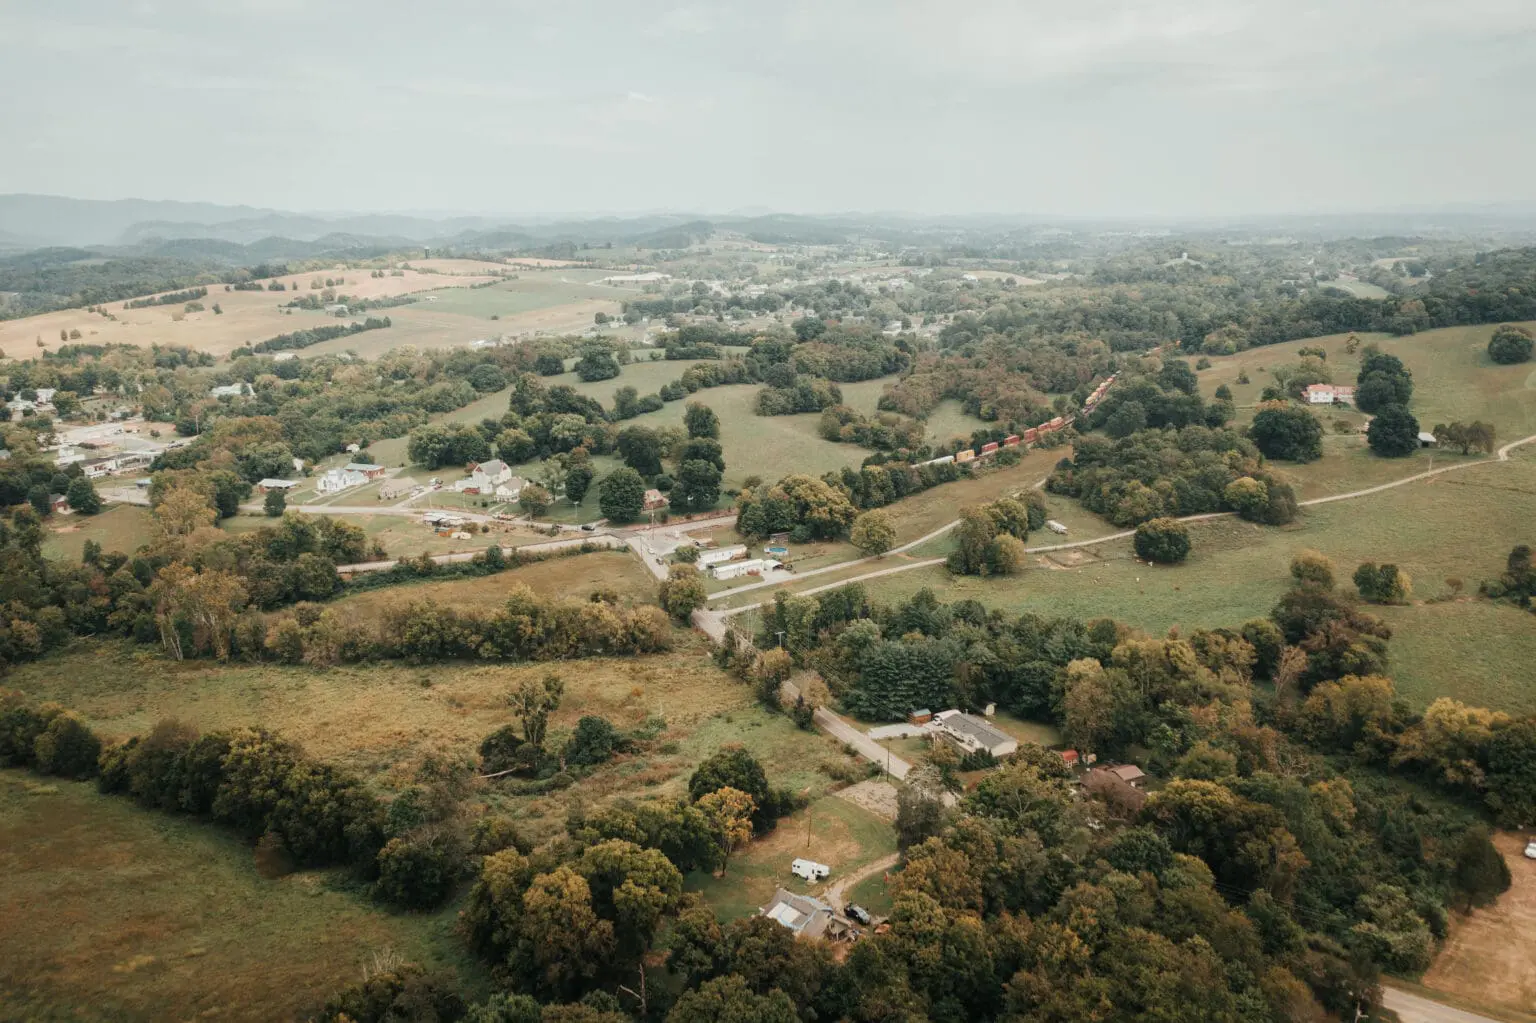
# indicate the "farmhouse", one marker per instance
pixel 720 555
pixel 806 917
pixel 368 469
pixel 484 477
pixel 971 733
pixel 512 489
pixel 497 470
pixel 1329 394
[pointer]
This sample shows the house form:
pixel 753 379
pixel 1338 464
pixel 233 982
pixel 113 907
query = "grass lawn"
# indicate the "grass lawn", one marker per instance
pixel 1453 380
pixel 122 527
pixel 117 913
pixel 873 894
pixel 841 835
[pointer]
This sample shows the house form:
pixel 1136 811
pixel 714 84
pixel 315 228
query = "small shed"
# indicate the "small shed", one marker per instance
pixel 1427 440
pixel 920 717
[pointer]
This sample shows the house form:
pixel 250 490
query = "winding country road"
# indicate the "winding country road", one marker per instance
pixel 713 622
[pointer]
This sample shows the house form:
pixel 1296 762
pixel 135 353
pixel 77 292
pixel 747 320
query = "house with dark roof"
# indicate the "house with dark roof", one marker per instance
pixel 972 733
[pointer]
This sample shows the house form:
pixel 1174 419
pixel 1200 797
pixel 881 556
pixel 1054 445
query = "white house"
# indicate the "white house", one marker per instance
pixel 239 390
pixel 497 470
pixel 1329 394
pixel 720 555
pixel 971 733
pixel 336 480
pixel 511 490
pixel 45 395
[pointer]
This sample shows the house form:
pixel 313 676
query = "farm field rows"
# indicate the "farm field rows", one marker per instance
pixel 153 916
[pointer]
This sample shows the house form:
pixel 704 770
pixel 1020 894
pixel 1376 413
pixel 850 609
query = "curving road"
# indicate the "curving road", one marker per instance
pixel 716 628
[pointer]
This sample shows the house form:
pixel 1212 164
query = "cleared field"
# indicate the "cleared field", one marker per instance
pixel 831 831
pixel 1489 958
pixel 920 514
pixel 371 717
pixel 575 577
pixel 1453 380
pixel 116 913
pixel 122 527
pixel 248 316
pixel 537 289
pixel 1458 526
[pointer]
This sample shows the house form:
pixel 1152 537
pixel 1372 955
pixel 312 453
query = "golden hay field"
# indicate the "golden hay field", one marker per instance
pixel 248 315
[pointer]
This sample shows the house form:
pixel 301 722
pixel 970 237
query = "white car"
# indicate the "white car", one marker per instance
pixel 1530 850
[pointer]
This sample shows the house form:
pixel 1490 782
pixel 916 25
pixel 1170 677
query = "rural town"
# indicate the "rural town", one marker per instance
pixel 1098 593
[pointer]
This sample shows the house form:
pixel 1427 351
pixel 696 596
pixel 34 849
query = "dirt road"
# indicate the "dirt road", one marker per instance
pixel 1415 1009
pixel 597 539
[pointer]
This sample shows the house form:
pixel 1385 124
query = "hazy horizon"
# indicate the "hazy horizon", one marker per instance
pixel 1188 112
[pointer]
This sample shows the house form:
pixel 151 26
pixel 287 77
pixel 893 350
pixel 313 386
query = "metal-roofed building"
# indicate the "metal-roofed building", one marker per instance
pixel 971 733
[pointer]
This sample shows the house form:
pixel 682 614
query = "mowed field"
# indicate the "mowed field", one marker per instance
pixel 116 913
pixel 553 300
pixel 1453 379
pixel 1457 526
pixel 248 316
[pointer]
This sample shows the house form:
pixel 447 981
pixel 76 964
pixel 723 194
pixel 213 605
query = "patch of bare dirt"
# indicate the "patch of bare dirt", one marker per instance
pixel 1490 955
pixel 874 795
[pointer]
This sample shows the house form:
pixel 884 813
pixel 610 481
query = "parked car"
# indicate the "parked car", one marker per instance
pixel 858 914
pixel 588 527
pixel 1530 850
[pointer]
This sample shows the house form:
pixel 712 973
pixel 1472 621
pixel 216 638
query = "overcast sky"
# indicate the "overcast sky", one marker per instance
pixel 1083 107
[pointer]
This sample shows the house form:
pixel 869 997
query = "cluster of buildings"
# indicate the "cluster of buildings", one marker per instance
pixel 353 474
pixel 492 478
pixel 18 407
